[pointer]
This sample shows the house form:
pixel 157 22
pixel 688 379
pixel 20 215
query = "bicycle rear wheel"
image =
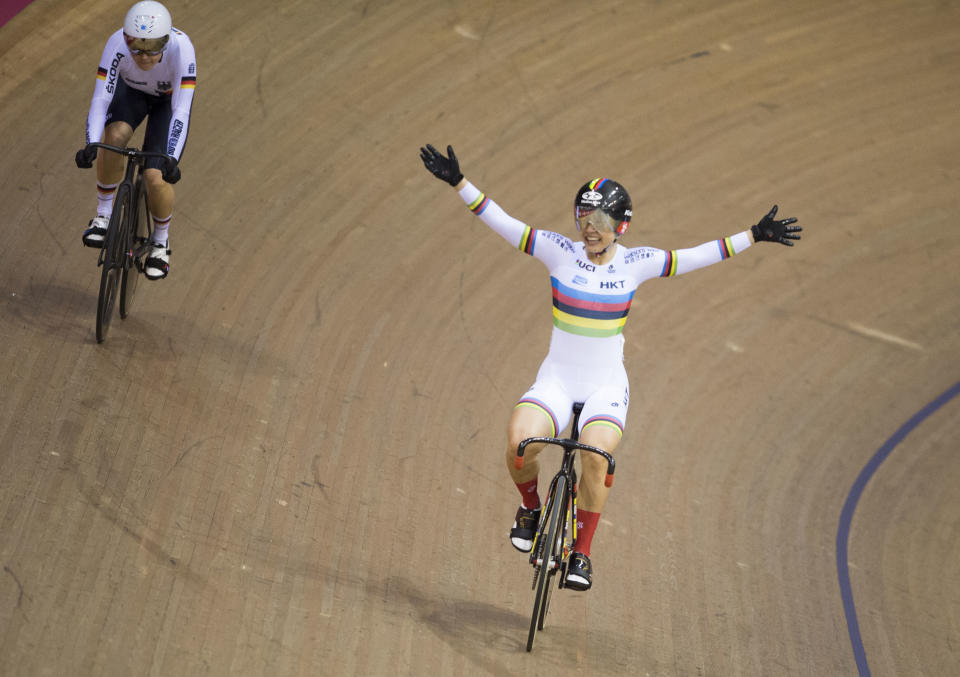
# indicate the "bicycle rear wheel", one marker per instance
pixel 113 256
pixel 138 234
pixel 555 507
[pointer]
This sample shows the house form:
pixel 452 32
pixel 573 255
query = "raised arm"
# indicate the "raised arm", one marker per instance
pixel 447 168
pixel 678 261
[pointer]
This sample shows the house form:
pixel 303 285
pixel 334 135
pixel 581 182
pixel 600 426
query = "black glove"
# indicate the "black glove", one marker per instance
pixel 769 230
pixel 171 171
pixel 86 157
pixel 444 168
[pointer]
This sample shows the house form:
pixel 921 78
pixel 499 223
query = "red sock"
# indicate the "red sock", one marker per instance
pixel 528 490
pixel 586 525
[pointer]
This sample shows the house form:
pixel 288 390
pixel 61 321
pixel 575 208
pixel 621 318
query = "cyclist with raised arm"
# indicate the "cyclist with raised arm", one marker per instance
pixel 148 71
pixel 593 283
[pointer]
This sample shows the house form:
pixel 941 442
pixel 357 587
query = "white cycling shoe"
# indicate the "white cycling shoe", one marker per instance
pixel 96 232
pixel 157 265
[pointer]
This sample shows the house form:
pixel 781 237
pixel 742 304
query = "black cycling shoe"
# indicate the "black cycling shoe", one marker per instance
pixel 579 572
pixel 524 529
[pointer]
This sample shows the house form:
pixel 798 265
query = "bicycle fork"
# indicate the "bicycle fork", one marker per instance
pixel 566 536
pixel 536 553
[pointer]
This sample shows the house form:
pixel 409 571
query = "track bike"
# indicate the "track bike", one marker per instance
pixel 557 531
pixel 127 242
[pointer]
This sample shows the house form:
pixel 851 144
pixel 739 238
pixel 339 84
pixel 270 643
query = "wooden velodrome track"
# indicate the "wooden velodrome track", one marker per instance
pixel 288 460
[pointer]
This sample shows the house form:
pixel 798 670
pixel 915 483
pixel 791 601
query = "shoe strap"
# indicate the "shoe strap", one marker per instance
pixel 154 262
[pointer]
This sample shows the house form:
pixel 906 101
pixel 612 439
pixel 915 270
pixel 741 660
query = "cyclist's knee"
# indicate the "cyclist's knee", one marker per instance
pixel 530 452
pixel 514 438
pixel 154 179
pixel 524 423
pixel 117 134
pixel 518 433
pixel 593 465
pixel 602 436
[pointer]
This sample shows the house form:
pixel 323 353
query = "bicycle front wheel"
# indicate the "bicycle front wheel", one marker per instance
pixel 549 559
pixel 557 555
pixel 113 259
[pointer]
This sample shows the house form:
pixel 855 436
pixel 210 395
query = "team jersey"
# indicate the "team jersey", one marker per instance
pixel 174 76
pixel 591 301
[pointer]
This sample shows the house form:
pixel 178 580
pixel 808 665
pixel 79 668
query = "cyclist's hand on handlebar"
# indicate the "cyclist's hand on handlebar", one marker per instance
pixel 86 157
pixel 171 171
pixel 444 168
pixel 771 230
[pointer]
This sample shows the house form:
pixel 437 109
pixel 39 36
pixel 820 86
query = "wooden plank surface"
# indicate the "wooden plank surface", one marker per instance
pixel 288 459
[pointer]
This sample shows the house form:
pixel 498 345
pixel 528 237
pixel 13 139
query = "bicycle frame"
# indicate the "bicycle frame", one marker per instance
pixel 127 239
pixel 570 446
pixel 550 546
pixel 133 178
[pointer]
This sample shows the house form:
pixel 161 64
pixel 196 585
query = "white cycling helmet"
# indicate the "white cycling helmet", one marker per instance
pixel 148 20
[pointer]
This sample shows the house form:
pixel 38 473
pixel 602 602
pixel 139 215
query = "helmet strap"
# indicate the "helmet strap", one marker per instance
pixel 604 250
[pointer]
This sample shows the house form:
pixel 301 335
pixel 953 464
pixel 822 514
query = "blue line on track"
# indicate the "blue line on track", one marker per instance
pixel 846 517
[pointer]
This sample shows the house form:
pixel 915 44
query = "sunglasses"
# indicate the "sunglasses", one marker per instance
pixel 143 46
pixel 148 52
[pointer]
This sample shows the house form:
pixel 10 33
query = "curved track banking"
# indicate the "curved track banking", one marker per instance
pixel 850 506
pixel 288 460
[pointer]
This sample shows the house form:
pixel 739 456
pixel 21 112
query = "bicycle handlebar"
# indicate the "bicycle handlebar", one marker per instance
pixel 568 445
pixel 134 153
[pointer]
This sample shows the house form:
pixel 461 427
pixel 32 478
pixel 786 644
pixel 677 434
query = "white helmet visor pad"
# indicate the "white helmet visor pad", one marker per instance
pixel 599 219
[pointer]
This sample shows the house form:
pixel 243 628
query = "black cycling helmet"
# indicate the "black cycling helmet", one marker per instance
pixel 610 198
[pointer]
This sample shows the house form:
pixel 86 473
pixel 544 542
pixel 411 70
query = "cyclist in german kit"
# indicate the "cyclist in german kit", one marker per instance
pixel 148 70
pixel 593 281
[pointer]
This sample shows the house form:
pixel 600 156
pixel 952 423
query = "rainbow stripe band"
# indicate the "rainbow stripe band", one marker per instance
pixel 479 205
pixel 587 314
pixel 606 421
pixel 541 407
pixel 596 184
pixel 528 240
pixel 726 248
pixel 669 264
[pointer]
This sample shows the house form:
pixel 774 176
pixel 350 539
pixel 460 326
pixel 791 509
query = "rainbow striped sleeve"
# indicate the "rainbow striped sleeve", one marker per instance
pixel 677 261
pixel 528 240
pixel 479 205
pixel 669 264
